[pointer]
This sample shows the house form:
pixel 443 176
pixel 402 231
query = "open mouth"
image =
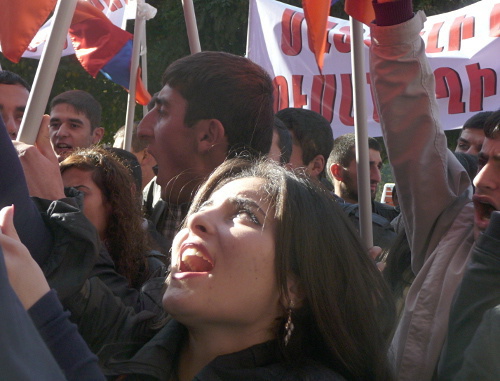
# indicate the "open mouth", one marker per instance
pixel 61 147
pixel 193 260
pixel 483 213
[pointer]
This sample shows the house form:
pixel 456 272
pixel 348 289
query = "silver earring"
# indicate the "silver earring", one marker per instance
pixel 289 325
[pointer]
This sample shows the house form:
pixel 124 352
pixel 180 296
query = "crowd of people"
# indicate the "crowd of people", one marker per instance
pixel 225 246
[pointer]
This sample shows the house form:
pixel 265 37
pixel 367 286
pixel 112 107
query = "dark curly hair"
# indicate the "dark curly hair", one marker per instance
pixel 125 239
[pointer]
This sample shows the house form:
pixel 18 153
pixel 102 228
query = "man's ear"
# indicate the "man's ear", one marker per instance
pixel 316 166
pixel 337 171
pixel 147 158
pixel 211 133
pixel 97 135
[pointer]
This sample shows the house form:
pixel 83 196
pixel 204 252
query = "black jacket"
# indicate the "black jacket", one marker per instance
pixel 156 361
pixel 478 293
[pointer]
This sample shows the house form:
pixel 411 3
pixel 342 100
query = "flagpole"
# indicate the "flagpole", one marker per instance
pixel 192 28
pixel 46 71
pixel 144 65
pixel 361 131
pixel 134 65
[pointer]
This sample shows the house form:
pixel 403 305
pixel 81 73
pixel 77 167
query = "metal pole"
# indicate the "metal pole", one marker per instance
pixel 134 65
pixel 46 71
pixel 361 130
pixel 192 28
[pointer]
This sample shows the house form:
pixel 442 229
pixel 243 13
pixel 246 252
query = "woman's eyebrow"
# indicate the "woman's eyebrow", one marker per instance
pixel 248 203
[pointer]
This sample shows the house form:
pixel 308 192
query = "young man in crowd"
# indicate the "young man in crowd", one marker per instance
pixel 472 134
pixel 14 93
pixel 281 147
pixel 212 106
pixel 342 170
pixel 75 122
pixel 312 140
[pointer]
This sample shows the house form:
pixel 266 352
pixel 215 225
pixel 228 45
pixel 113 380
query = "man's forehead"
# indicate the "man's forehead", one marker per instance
pixel 70 112
pixel 472 132
pixel 14 93
pixel 491 148
pixel 375 155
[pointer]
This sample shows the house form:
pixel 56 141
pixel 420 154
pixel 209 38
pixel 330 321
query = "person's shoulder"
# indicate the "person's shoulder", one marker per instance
pixel 385 210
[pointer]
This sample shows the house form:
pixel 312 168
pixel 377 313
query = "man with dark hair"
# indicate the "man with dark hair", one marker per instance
pixel 212 106
pixel 281 147
pixel 14 93
pixel 75 119
pixel 472 135
pixel 312 139
pixel 342 171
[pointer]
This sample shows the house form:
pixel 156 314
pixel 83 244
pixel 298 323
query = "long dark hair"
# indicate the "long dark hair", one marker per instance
pixel 347 313
pixel 125 239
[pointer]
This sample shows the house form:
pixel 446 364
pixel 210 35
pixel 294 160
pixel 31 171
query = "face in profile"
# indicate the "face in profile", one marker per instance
pixel 223 262
pixel 171 142
pixel 13 100
pixel 487 181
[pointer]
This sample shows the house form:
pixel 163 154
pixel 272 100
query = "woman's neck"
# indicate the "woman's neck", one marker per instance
pixel 204 345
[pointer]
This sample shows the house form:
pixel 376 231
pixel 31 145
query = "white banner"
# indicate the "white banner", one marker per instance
pixel 118 11
pixel 463 48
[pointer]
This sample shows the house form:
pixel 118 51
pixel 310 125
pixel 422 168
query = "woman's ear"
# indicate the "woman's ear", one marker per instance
pixel 296 292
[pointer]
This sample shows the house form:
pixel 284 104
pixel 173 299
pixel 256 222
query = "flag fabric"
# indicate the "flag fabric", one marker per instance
pixel 118 11
pixel 102 46
pixel 20 20
pixel 361 10
pixel 316 13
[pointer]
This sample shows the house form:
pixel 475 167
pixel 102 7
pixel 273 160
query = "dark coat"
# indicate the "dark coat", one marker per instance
pixel 157 359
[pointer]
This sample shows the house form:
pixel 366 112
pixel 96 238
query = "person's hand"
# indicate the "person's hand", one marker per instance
pixel 40 166
pixel 25 276
pixel 43 140
pixel 375 252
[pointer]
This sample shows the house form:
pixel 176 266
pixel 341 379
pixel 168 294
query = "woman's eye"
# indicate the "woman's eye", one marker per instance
pixel 203 206
pixel 248 214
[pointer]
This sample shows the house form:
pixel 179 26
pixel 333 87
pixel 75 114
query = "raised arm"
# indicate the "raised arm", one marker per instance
pixel 432 185
pixel 14 191
pixel 60 336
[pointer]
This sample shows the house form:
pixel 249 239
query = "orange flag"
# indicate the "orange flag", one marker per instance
pixel 316 13
pixel 20 20
pixel 361 10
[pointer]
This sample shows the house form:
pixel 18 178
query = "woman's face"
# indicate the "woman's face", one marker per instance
pixel 223 262
pixel 95 207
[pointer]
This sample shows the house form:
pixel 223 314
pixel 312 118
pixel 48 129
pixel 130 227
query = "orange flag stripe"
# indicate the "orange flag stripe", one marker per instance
pixel 361 10
pixel 20 20
pixel 316 13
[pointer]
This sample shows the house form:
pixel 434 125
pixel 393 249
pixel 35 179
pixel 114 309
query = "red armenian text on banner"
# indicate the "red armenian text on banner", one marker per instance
pixel 462 47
